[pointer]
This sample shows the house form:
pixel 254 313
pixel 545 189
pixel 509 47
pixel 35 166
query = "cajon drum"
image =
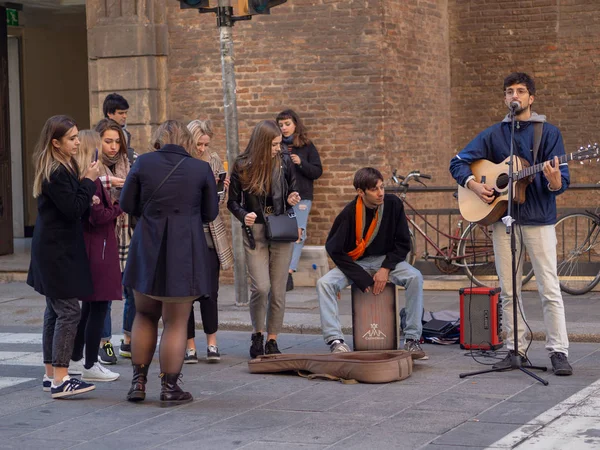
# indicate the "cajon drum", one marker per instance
pixel 375 319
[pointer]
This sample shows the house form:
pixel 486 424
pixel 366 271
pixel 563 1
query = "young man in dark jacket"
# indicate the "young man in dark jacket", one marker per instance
pixel 371 258
pixel 534 220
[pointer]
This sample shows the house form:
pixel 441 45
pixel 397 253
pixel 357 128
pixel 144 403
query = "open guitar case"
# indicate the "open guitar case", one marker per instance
pixel 375 366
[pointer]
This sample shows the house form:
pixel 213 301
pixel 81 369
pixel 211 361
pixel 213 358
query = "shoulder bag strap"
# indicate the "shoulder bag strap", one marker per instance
pixel 537 138
pixel 161 183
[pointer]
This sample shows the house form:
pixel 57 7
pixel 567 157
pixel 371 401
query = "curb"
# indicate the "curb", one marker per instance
pixel 316 330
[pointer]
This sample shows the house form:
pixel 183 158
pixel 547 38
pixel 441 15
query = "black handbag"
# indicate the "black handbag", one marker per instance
pixel 282 228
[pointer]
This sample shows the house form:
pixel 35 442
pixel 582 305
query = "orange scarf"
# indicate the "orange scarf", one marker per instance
pixel 361 243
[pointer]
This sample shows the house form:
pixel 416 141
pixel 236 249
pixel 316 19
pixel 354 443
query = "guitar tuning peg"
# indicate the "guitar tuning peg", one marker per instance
pixel 581 162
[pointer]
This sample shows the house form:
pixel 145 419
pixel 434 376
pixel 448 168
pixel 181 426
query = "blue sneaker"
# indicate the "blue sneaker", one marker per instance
pixel 71 386
pixel 46 383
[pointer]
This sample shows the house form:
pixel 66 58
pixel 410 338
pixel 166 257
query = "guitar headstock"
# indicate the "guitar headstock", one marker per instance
pixel 589 152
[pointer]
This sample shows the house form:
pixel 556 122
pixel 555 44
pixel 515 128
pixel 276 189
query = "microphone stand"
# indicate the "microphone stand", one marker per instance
pixel 516 361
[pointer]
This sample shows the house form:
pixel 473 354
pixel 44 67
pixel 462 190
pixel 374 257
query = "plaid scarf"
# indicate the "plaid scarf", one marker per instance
pixel 120 168
pixel 217 226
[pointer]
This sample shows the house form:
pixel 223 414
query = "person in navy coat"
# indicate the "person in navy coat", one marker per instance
pixel 173 194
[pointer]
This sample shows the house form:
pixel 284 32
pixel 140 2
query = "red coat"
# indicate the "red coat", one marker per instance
pixel 101 245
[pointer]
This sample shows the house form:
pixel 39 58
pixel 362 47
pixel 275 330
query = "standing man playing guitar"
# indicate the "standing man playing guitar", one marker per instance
pixel 534 219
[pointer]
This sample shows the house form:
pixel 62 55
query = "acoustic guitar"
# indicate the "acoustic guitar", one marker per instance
pixel 495 176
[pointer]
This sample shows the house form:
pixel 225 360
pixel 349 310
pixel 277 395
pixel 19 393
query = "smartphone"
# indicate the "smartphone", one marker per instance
pixel 96 156
pixel 221 182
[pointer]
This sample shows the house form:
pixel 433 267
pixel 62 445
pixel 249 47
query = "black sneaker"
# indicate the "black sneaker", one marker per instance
pixel 257 348
pixel 71 386
pixel 290 283
pixel 106 354
pixel 507 364
pixel 212 354
pixel 190 356
pixel 125 349
pixel 46 383
pixel 560 365
pixel 271 347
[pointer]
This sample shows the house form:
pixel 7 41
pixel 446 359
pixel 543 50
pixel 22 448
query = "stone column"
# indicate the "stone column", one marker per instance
pixel 127 51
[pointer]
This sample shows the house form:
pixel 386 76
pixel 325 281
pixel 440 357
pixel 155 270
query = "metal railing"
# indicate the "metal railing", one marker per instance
pixel 446 219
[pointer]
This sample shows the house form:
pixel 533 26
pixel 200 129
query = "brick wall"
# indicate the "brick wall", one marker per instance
pixel 555 41
pixel 369 78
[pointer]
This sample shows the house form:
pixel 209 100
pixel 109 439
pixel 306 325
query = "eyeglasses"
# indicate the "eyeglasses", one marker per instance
pixel 520 92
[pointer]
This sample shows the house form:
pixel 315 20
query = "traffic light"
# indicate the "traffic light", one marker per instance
pixel 195 4
pixel 251 7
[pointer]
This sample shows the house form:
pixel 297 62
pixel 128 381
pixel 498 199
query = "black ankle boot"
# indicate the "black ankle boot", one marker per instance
pixel 170 393
pixel 137 392
pixel 257 348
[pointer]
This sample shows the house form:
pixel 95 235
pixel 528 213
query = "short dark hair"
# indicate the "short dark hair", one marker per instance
pixel 300 137
pixel 520 78
pixel 367 178
pixel 112 102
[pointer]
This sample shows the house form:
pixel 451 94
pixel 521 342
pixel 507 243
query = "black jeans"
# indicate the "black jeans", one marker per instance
pixel 60 327
pixel 89 332
pixel 208 305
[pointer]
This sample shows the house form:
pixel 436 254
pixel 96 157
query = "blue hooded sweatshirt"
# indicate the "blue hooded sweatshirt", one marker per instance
pixel 493 144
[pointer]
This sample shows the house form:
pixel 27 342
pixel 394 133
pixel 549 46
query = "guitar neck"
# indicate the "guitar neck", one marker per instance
pixel 532 170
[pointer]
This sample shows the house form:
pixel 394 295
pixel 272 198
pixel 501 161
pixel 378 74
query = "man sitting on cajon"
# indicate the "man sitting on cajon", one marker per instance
pixel 370 236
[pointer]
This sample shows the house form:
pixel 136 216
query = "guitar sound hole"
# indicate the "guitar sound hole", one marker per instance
pixel 502 181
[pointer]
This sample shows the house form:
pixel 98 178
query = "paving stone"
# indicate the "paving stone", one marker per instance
pixel 240 430
pixel 375 438
pixel 474 433
pixel 321 428
pixel 517 413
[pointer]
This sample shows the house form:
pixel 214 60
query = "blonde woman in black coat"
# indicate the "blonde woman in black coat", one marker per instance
pixel 59 266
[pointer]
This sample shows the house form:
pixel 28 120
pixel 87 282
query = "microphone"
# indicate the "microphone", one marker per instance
pixel 514 106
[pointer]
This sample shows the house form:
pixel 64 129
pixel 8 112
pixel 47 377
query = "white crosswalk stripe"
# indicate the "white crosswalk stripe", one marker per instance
pixel 14 357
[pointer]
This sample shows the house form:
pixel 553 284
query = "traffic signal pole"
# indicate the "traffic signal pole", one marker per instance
pixel 225 23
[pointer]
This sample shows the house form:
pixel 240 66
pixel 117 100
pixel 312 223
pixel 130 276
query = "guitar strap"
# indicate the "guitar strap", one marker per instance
pixel 537 138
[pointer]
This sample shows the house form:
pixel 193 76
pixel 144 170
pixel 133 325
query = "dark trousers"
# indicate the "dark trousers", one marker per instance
pixel 208 305
pixel 89 332
pixel 128 310
pixel 60 327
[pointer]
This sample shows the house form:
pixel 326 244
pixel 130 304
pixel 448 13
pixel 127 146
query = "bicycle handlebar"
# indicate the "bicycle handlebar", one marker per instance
pixel 414 175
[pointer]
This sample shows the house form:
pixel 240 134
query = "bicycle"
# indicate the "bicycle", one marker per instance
pixel 471 249
pixel 578 258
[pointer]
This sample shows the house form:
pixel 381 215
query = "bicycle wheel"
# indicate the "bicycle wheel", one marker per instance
pixel 578 252
pixel 477 254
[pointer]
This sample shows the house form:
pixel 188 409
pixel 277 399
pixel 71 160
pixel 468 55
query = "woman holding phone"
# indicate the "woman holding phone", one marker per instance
pixel 220 253
pixel 263 182
pixel 103 254
pixel 59 266
pixel 115 165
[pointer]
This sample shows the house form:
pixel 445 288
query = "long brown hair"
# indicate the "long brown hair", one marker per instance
pixel 90 141
pixel 300 137
pixel 109 124
pixel 255 166
pixel 172 132
pixel 46 157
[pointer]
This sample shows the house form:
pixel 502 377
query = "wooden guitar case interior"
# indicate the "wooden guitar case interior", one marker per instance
pixel 365 367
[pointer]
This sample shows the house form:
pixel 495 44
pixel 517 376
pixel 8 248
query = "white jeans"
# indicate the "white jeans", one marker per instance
pixel 540 242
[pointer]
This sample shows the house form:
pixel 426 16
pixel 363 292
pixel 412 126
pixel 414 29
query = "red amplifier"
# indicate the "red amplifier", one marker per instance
pixel 480 318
